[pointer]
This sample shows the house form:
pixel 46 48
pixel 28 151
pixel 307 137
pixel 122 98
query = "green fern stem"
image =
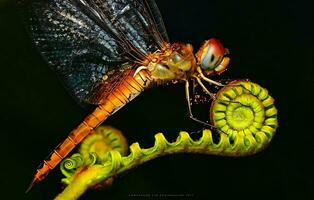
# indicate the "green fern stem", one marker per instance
pixel 246 118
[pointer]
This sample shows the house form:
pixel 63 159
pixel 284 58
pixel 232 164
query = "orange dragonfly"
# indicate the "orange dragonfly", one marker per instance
pixel 107 52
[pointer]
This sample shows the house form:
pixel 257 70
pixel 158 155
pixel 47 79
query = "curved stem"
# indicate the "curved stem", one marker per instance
pixel 117 164
pixel 251 126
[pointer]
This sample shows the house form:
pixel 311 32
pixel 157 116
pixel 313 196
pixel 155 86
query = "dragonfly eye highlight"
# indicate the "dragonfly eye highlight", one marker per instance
pixel 211 56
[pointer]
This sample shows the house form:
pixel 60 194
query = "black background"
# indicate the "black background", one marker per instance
pixel 270 43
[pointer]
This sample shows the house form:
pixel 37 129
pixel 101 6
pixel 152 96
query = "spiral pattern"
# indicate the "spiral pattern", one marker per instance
pixel 95 150
pixel 69 165
pixel 103 140
pixel 74 162
pixel 244 111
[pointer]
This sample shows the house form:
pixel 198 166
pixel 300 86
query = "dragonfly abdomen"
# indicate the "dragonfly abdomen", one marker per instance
pixel 122 94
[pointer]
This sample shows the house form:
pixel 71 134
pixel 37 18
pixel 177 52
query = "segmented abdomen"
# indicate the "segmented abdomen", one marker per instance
pixel 128 89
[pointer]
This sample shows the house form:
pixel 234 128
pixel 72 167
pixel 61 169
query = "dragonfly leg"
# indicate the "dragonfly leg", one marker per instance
pixel 202 76
pixel 207 124
pixel 139 69
pixel 188 99
pixel 199 81
pixel 212 95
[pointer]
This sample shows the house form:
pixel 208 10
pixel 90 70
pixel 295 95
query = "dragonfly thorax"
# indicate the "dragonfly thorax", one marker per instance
pixel 175 62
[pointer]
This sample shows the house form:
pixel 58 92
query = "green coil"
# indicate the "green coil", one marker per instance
pixel 246 114
pixel 69 165
pixel 243 113
pixel 103 140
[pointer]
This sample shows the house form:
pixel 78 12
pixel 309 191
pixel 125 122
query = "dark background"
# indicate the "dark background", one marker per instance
pixel 270 43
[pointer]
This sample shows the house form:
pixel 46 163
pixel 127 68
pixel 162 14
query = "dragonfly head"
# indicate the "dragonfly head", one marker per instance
pixel 212 57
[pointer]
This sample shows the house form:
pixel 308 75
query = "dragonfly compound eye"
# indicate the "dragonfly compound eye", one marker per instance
pixel 211 56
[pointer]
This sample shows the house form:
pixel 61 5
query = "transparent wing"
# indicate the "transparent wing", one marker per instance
pixel 85 40
pixel 156 15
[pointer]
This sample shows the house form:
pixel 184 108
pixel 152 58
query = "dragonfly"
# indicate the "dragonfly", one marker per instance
pixel 107 52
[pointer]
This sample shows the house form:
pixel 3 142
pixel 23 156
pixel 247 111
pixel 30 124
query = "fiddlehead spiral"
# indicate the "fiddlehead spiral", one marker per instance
pixel 103 140
pixel 244 114
pixel 69 165
pixel 94 150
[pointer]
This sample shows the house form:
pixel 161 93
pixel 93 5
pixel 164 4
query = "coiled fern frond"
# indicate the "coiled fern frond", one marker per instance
pixel 244 114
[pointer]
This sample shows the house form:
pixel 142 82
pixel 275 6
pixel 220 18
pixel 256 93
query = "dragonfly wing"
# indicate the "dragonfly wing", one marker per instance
pixel 134 22
pixel 76 48
pixel 87 40
pixel 156 15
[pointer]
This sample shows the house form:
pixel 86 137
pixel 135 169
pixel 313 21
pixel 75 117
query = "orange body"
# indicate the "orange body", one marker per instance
pixel 120 96
pixel 174 63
